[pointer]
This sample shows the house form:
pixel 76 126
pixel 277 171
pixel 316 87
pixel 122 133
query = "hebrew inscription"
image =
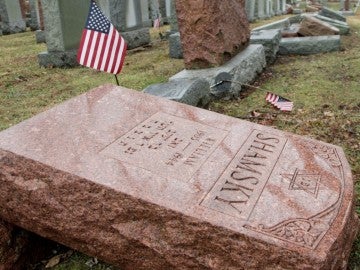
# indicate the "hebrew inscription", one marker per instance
pixel 170 146
pixel 238 189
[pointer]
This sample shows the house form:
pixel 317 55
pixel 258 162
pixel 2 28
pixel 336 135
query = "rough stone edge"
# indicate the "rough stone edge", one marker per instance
pixel 122 244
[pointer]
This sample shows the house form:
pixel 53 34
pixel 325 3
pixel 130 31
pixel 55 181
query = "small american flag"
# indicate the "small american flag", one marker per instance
pixel 157 22
pixel 279 102
pixel 101 46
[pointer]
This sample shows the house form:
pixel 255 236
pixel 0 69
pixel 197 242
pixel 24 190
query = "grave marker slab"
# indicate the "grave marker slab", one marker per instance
pixel 207 31
pixel 147 183
pixel 11 17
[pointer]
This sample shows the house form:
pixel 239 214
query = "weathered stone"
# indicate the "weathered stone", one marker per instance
pixel 309 45
pixel 146 183
pixel 192 92
pixel 270 39
pixel 342 26
pixel 327 12
pixel 311 26
pixel 311 9
pixel 280 24
pixel 175 48
pixel 212 32
pixel 65 59
pixel 11 18
pixel 40 36
pixel 243 68
pixel 136 38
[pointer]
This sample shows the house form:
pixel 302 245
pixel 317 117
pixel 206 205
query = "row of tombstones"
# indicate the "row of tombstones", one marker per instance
pixel 64 20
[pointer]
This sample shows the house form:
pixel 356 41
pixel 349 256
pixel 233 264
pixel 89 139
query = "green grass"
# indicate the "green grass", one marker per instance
pixel 325 89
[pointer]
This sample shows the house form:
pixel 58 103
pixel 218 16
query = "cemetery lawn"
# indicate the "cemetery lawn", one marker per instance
pixel 325 90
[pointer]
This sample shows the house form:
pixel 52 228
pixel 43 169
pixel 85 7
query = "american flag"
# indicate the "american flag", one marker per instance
pixel 157 22
pixel 279 102
pixel 101 46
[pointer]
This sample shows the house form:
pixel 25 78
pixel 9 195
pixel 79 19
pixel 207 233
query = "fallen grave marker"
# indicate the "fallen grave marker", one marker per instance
pixel 147 183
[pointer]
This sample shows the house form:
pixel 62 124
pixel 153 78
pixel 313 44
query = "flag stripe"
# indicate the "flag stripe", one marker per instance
pixel 108 58
pixel 85 47
pixel 99 51
pixel 120 61
pixel 279 102
pixel 96 46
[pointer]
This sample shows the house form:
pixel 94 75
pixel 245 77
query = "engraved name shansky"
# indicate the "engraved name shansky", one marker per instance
pixel 239 187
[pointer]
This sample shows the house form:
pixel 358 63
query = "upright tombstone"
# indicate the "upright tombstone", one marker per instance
pixel 64 22
pixel 165 9
pixel 12 20
pixel 261 9
pixel 34 15
pixel 145 183
pixel 277 7
pixel 250 10
pixel 127 17
pixel 207 31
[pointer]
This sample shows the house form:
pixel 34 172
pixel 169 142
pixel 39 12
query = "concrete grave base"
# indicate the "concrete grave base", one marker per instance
pixel 192 92
pixel 40 36
pixel 243 68
pixel 58 59
pixel 136 38
pixel 309 45
pixel 146 183
pixel 14 27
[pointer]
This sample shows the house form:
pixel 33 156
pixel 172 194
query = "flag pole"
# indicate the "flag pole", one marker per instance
pixel 117 81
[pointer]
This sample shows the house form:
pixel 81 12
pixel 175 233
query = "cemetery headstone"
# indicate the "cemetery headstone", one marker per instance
pixel 146 183
pixel 12 20
pixel 207 31
pixel 250 10
pixel 64 22
pixel 127 17
pixel 34 15
pixel 261 9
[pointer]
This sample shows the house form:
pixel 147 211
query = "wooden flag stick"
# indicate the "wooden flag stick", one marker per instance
pixel 117 81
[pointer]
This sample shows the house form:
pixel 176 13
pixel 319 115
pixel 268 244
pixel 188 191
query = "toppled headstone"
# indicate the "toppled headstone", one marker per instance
pixel 146 183
pixel 327 12
pixel 311 26
pixel 309 45
pixel 291 31
pixel 208 33
pixel 342 26
pixel 194 92
pixel 312 9
pixel 175 48
pixel 244 68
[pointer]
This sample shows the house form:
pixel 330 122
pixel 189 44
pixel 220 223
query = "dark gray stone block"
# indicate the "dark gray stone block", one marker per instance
pixel 332 14
pixel 40 36
pixel 58 59
pixel 270 39
pixel 136 38
pixel 195 92
pixel 309 45
pixel 175 48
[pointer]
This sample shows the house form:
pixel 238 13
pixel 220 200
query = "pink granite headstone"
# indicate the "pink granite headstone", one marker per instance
pixel 146 183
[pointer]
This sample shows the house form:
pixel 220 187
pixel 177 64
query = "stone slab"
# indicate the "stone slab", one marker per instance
pixel 309 45
pixel 270 39
pixel 311 26
pixel 146 183
pixel 327 12
pixel 137 38
pixel 194 92
pixel 40 36
pixel 342 26
pixel 280 24
pixel 243 68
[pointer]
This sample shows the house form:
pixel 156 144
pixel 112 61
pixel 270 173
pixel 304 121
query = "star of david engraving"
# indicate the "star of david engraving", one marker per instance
pixel 304 181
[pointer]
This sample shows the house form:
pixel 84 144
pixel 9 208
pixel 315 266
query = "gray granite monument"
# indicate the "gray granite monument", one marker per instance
pixel 12 20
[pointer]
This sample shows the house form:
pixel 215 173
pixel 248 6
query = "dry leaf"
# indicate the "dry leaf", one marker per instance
pixel 53 261
pixel 328 114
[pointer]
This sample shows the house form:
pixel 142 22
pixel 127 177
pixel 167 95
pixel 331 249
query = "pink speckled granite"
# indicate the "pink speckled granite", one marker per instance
pixel 146 183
